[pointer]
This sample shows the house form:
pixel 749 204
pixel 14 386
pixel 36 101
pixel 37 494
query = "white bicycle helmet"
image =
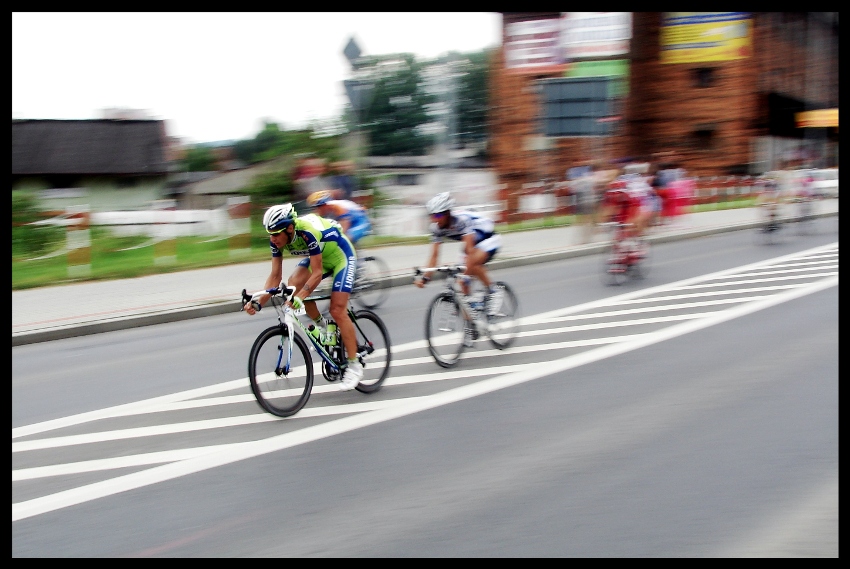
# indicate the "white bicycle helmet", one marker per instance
pixel 440 202
pixel 279 217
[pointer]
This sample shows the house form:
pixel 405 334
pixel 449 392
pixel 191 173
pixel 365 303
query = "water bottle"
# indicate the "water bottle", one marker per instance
pixel 316 332
pixel 330 336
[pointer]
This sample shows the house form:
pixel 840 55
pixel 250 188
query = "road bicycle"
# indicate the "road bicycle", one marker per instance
pixel 280 366
pixel 771 226
pixel 804 214
pixel 371 282
pixel 626 257
pixel 455 320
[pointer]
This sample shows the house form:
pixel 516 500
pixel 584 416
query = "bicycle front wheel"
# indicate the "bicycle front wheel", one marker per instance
pixel 503 316
pixel 373 349
pixel 444 330
pixel 614 265
pixel 281 371
pixel 371 286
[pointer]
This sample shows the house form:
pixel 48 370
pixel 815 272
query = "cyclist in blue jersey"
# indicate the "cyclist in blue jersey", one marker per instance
pixel 328 252
pixel 353 218
pixel 476 232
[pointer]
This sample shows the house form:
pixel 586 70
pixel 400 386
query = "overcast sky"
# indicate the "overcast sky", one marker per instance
pixel 215 76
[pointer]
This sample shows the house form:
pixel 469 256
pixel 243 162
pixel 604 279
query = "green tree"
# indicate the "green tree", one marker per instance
pixel 29 239
pixel 199 159
pixel 473 98
pixel 397 109
pixel 271 187
pixel 273 141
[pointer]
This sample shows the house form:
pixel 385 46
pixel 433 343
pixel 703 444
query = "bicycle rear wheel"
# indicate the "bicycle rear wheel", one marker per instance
pixel 281 371
pixel 503 316
pixel 371 285
pixel 640 266
pixel 374 350
pixel 614 265
pixel 805 219
pixel 444 330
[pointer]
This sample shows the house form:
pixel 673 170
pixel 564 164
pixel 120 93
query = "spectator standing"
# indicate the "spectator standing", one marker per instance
pixel 343 180
pixel 581 183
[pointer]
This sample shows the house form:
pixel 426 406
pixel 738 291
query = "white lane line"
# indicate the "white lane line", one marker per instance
pixel 113 463
pixel 133 408
pixel 765 280
pixel 770 271
pixel 182 454
pixel 191 426
pixel 667 307
pixel 708 293
pixel 66 498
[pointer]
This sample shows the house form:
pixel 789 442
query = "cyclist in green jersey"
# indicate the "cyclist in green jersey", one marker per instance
pixel 327 252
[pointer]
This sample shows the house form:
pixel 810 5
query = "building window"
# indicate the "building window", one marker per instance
pixel 704 77
pixel 703 138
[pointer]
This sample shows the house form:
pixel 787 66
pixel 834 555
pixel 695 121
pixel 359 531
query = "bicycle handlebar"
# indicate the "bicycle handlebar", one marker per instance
pixel 451 269
pixel 285 293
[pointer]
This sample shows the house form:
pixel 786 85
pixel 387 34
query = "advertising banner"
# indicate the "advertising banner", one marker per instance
pixel 821 118
pixel 695 37
pixel 534 46
pixel 587 35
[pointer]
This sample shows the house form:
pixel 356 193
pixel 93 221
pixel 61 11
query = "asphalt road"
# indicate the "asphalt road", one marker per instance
pixel 691 414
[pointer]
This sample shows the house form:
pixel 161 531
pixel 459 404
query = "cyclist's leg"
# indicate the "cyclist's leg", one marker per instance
pixel 358 229
pixel 343 279
pixel 480 256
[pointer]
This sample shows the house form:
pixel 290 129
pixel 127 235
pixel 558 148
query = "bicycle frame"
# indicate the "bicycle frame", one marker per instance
pixel 454 287
pixel 288 320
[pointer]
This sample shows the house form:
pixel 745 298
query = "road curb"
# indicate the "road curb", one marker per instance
pixel 232 306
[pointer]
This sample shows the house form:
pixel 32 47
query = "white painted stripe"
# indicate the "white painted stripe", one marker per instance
pixel 708 293
pixel 162 473
pixel 667 307
pixel 765 280
pixel 133 408
pixel 206 424
pixel 113 463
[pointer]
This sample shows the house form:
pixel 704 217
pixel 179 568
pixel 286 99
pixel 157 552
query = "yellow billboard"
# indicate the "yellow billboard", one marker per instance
pixel 694 37
pixel 820 118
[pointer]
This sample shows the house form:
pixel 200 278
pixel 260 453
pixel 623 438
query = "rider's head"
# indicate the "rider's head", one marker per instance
pixel 279 222
pixel 320 198
pixel 440 208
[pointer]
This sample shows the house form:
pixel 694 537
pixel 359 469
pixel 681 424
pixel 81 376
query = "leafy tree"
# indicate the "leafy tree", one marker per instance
pixel 397 108
pixel 473 99
pixel 28 239
pixel 199 159
pixel 272 141
pixel 271 187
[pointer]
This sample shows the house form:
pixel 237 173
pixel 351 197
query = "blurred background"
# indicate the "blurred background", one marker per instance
pixel 720 98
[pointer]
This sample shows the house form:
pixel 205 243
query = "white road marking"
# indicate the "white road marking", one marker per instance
pixel 529 372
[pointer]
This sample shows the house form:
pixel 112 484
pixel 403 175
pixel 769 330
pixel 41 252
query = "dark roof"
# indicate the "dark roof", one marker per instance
pixel 115 147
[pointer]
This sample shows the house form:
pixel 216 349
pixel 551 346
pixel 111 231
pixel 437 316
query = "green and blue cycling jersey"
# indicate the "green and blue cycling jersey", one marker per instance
pixel 316 235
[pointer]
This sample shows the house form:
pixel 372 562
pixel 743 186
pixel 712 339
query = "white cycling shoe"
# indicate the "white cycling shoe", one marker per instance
pixel 352 376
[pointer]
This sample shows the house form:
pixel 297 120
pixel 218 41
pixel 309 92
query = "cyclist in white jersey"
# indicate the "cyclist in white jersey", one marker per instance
pixel 480 241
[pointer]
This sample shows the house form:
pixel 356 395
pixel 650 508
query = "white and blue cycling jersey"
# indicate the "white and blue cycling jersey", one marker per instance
pixel 469 223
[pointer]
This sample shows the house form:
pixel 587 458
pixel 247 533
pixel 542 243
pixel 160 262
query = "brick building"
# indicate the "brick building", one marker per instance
pixel 716 116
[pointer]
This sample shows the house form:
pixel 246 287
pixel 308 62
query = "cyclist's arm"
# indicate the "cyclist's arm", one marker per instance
pixel 432 262
pixel 271 282
pixel 468 244
pixel 345 221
